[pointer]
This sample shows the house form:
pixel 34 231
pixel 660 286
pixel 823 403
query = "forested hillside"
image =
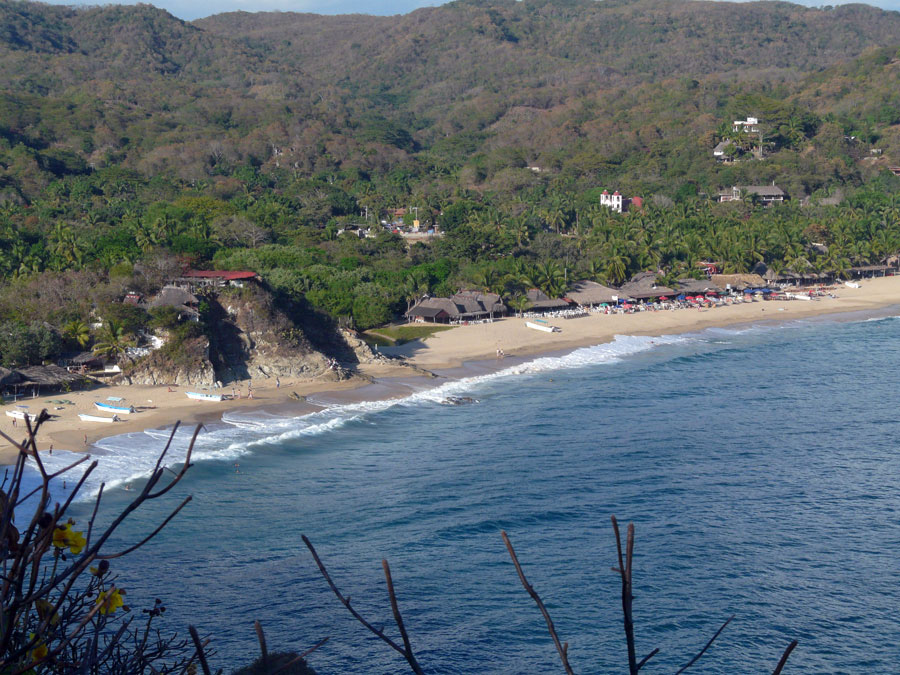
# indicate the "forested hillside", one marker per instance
pixel 133 144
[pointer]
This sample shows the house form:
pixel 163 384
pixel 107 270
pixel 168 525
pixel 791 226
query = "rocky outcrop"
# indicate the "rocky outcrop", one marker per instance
pixel 362 352
pixel 252 338
pixel 189 365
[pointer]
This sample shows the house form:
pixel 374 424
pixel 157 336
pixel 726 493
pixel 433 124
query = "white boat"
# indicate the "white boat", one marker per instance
pixel 546 329
pixel 851 284
pixel 20 415
pixel 96 418
pixel 118 409
pixel 197 396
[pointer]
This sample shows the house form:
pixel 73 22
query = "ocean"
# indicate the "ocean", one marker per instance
pixel 758 464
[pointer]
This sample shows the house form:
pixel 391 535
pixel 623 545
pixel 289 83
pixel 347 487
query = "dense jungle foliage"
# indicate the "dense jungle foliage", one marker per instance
pixel 133 144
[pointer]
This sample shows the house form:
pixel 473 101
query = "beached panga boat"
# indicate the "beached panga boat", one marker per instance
pixel 546 329
pixel 197 396
pixel 20 415
pixel 108 407
pixel 96 418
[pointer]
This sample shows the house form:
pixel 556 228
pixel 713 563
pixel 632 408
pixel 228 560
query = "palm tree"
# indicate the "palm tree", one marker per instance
pixel 77 331
pixel 113 340
pixel 519 304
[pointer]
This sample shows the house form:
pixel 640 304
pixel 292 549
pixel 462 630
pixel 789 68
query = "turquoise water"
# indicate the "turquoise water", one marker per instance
pixel 759 466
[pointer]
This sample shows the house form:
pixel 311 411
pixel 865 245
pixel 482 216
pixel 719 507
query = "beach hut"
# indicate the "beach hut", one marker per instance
pixel 181 299
pixel 696 287
pixel 538 301
pixel 433 310
pixel 643 286
pixel 50 377
pixel 738 282
pixel 590 294
pixel 9 377
pixel 463 306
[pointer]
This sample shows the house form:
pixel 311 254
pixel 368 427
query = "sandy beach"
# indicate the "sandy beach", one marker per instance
pixel 450 349
pixel 158 407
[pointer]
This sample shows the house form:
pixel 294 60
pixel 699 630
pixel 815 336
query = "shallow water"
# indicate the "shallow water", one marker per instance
pixel 759 466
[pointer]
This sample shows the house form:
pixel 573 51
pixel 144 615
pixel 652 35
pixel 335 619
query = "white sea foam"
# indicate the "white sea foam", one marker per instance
pixel 130 457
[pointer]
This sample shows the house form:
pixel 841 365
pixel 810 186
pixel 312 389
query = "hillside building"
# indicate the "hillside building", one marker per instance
pixel 618 203
pixel 767 194
pixel 747 126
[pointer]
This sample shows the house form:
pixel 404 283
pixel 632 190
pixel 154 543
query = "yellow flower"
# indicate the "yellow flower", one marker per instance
pixel 65 537
pixel 110 601
pixel 40 650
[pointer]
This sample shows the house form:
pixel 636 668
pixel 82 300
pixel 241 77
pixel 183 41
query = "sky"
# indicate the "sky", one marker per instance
pixel 195 9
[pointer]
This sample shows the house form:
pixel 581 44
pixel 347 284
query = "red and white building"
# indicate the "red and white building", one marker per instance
pixel 620 204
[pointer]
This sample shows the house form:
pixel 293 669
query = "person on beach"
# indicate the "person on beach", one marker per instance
pixel 85 439
pixel 277 383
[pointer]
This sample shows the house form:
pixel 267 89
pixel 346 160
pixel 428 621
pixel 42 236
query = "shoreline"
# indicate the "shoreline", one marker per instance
pixel 445 351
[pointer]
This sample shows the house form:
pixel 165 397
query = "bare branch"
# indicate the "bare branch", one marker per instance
pixel 345 601
pixel 563 650
pixel 110 556
pixel 784 657
pixel 701 652
pixel 262 645
pixel 649 656
pixel 395 608
pixel 624 571
pixel 201 656
pixel 299 657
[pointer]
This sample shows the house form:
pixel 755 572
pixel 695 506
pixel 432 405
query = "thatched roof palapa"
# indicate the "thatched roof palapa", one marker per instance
pixel 695 286
pixel 738 281
pixel 47 376
pixel 8 377
pixel 463 305
pixel 643 286
pixel 538 300
pixel 172 296
pixel 591 293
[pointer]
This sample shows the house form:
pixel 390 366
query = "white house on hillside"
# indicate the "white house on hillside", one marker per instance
pixel 749 125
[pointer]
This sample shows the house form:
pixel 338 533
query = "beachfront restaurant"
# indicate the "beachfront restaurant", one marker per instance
pixel 539 302
pixel 643 286
pixel 462 307
pixel 591 294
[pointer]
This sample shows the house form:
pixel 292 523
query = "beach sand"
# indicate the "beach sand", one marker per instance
pixel 450 349
pixel 158 407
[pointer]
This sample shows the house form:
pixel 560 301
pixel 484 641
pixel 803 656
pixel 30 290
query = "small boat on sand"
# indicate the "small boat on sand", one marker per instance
pixel 543 326
pixel 97 418
pixel 20 415
pixel 118 409
pixel 198 396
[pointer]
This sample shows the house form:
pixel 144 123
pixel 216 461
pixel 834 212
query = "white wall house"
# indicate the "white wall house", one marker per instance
pixel 749 125
pixel 613 201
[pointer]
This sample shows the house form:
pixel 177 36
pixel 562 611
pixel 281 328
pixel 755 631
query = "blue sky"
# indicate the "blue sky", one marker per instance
pixel 194 9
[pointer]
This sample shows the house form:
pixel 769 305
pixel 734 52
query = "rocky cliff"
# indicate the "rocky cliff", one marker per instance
pixel 252 338
pixel 188 365
pixel 246 335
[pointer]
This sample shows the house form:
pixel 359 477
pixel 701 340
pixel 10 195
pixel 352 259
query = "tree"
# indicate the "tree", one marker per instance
pixel 77 332
pixel 113 340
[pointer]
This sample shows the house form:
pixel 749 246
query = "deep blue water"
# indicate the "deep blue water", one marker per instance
pixel 760 467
